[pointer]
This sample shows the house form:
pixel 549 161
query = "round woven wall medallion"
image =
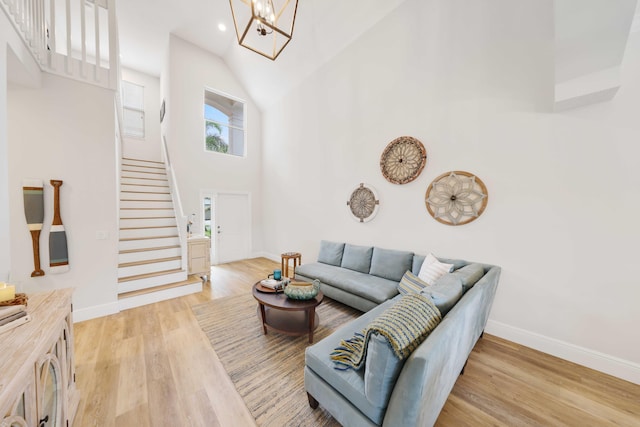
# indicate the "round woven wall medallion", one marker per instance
pixel 456 198
pixel 363 203
pixel 403 160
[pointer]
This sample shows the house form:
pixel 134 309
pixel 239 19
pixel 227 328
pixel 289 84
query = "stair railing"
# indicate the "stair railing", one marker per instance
pixel 77 39
pixel 181 218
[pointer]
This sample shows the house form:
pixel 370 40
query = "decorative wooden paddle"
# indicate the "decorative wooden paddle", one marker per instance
pixel 58 254
pixel 32 191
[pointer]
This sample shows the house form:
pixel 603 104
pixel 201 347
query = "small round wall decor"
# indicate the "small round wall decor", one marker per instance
pixel 363 203
pixel 456 198
pixel 403 160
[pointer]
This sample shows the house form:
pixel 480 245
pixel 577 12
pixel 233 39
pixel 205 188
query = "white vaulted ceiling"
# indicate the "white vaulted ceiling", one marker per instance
pixel 590 38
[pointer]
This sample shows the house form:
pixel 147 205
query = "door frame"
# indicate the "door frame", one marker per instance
pixel 213 194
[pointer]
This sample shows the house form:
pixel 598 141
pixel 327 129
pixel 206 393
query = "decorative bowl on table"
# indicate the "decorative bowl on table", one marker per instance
pixel 302 290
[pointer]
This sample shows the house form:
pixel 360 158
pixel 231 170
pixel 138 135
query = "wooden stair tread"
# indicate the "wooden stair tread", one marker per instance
pixel 145 185
pixel 149 275
pixel 129 239
pixel 148 179
pixel 156 248
pixel 146 208
pixel 149 227
pixel 150 173
pixel 144 192
pixel 142 166
pixel 149 261
pixel 149 217
pixel 189 281
pixel 144 200
pixel 142 160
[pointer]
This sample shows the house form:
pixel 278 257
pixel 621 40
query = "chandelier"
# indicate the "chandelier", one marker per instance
pixel 264 26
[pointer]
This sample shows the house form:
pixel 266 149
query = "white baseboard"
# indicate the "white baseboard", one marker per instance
pixel 95 311
pixel 267 255
pixel 608 364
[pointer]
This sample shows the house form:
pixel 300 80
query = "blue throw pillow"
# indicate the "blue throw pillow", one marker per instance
pixel 445 292
pixel 469 275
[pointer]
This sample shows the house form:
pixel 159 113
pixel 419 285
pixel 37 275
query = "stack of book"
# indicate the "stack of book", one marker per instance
pixel 271 283
pixel 12 316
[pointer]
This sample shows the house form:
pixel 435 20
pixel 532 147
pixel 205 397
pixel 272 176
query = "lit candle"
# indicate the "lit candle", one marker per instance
pixel 7 292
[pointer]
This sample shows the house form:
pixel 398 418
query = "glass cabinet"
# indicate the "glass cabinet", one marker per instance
pixel 37 372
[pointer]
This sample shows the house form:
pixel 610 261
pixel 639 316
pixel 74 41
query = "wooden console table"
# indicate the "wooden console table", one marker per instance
pixel 37 370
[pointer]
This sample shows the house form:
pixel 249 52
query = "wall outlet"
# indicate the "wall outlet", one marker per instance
pixel 102 235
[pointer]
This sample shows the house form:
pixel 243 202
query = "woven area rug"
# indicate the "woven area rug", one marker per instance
pixel 267 370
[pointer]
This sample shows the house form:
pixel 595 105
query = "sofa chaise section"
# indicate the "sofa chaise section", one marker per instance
pixel 414 394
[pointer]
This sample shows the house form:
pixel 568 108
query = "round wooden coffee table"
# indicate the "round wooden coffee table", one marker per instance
pixel 285 315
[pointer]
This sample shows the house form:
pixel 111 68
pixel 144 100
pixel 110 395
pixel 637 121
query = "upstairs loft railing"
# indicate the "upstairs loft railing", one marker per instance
pixel 77 39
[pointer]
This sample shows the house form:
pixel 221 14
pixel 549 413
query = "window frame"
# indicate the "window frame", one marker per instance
pixel 227 125
pixel 134 109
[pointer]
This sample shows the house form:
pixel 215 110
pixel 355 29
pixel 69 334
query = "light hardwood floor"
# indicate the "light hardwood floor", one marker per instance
pixel 152 366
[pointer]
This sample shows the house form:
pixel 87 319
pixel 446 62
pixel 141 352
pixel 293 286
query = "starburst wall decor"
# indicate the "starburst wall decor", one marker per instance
pixel 456 198
pixel 402 160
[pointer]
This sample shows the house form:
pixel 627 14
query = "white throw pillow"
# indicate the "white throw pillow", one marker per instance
pixel 432 269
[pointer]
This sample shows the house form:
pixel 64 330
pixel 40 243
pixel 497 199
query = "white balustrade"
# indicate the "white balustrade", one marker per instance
pixel 73 38
pixel 181 218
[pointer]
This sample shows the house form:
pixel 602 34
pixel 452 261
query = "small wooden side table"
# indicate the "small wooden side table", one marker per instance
pixel 297 260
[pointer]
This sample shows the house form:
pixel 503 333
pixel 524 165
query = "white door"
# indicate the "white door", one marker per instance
pixel 232 227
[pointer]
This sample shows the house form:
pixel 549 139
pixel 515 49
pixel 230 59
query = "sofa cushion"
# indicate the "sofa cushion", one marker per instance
pixel 382 368
pixel 411 283
pixel 390 264
pixel 445 292
pixel 469 275
pixel 372 288
pixel 417 263
pixel 432 269
pixel 357 258
pixel 349 383
pixel 330 252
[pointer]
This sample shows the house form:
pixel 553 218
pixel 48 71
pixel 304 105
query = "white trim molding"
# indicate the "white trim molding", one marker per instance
pixel 608 364
pixel 267 255
pixel 95 311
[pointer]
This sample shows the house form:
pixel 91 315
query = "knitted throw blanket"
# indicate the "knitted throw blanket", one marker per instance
pixel 405 325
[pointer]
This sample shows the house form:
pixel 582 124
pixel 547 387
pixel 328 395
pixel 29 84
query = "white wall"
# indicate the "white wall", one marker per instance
pixel 13 54
pixel 191 70
pixel 55 133
pixel 5 252
pixel 147 148
pixel 473 81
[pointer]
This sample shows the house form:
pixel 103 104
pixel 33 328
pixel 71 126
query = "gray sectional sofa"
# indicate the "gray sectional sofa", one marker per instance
pixel 387 391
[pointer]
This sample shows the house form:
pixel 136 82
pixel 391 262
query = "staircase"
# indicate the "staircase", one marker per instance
pixel 150 258
pixel 79 40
